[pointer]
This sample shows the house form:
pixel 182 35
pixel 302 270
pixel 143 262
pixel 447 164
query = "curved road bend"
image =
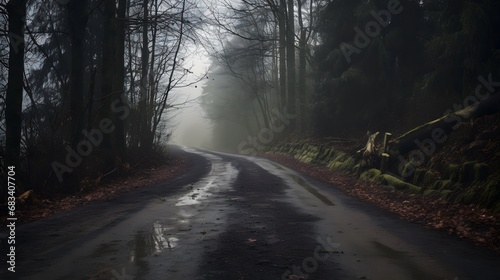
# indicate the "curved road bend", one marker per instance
pixel 236 217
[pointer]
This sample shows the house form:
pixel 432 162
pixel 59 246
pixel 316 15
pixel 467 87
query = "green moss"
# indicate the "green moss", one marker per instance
pixel 356 169
pixel 467 172
pixel 418 178
pixel 490 194
pixel 414 189
pixel 429 178
pixel 437 185
pixel 339 160
pixel 322 154
pixel 445 194
pixel 448 185
pixel 337 165
pixel 436 193
pixel 374 175
pixel 346 166
pixel 478 182
pixel 370 174
pixel 350 162
pixel 453 171
pixel 331 154
pixel 481 171
pixel 430 192
pixel 442 185
pixel 407 169
pixel 308 154
pixel 445 171
pixel 341 156
pixel 397 183
pixel 467 196
pixel 327 154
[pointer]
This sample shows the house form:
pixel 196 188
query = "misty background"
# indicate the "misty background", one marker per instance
pixel 93 89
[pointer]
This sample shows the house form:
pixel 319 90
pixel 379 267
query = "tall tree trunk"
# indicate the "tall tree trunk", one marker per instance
pixel 134 128
pixel 107 90
pixel 170 84
pixel 16 10
pixel 153 89
pixel 77 23
pixel 282 51
pixel 302 119
pixel 145 130
pixel 275 74
pixel 119 79
pixel 90 97
pixel 290 60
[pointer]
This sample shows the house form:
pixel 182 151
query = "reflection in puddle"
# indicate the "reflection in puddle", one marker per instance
pixel 153 242
pixel 159 238
pixel 222 175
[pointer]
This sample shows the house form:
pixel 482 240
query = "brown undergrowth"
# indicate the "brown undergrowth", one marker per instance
pixel 141 178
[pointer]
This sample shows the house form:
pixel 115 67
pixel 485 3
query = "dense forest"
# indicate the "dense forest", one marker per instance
pixel 85 84
pixel 340 68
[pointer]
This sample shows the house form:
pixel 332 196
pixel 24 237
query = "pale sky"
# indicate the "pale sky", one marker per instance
pixel 191 129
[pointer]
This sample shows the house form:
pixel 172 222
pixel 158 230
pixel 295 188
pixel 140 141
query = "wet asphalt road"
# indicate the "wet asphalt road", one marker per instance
pixel 234 217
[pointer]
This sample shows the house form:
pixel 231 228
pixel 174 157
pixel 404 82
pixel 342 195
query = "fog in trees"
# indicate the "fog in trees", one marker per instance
pixel 91 88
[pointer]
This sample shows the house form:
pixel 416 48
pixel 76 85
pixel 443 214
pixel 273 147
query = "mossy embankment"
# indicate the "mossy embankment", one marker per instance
pixel 462 167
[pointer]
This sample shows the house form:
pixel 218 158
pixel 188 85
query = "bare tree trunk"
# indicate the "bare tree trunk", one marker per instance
pixel 108 75
pixel 90 97
pixel 152 82
pixel 77 23
pixel 16 10
pixel 170 84
pixel 119 79
pixel 282 51
pixel 275 73
pixel 143 122
pixel 290 60
pixel 302 119
pixel 134 123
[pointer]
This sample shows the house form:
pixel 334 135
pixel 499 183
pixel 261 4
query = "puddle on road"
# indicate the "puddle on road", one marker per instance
pixel 153 242
pixel 161 238
pixel 221 176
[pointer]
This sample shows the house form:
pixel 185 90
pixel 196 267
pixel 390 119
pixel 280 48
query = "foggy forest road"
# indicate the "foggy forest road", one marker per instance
pixel 236 217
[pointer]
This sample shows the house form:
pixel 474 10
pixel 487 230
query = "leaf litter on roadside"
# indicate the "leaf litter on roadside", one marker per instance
pixel 465 221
